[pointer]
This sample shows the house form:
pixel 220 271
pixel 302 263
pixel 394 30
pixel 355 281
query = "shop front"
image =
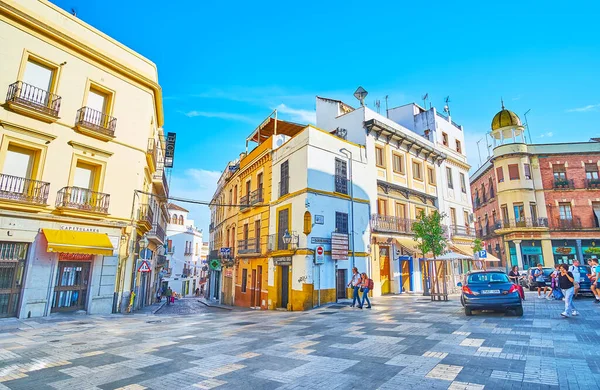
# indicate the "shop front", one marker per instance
pixel 590 249
pixel 564 251
pixel 531 253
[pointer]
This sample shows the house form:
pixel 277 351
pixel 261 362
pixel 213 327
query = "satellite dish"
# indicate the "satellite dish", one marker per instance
pixel 361 94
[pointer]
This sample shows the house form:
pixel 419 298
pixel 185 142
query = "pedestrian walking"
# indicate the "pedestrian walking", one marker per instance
pixel 158 296
pixel 173 295
pixel 365 286
pixel 556 291
pixel 168 295
pixel 574 269
pixel 565 281
pixel 537 274
pixel 355 284
pixel 594 279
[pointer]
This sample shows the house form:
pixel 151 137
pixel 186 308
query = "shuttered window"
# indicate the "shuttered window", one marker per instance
pixel 500 174
pixel 513 171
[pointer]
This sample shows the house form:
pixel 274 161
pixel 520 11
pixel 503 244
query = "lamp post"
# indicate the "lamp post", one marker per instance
pixel 286 237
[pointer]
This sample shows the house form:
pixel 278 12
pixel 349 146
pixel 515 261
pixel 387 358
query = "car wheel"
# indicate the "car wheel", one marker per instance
pixel 468 311
pixel 519 311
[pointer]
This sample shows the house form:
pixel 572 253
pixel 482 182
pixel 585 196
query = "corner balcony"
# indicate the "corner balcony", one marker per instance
pixel 160 179
pixel 96 124
pixel 152 154
pixel 145 216
pixel 19 189
pixel 462 231
pixel 157 234
pixel 82 199
pixel 33 101
pixel 388 224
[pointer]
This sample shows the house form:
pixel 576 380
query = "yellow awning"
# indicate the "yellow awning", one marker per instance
pixel 68 241
pixel 468 250
pixel 409 244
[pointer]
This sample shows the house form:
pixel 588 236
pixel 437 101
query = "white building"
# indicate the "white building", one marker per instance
pixel 184 244
pixel 454 196
pixel 319 187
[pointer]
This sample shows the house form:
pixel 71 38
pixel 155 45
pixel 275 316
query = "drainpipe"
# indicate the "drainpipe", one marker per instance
pixel 344 151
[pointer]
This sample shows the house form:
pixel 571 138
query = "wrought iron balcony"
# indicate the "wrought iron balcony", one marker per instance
pixel 96 121
pixel 249 246
pixel 23 190
pixel 388 224
pixel 244 202
pixel 152 153
pixel 161 260
pixel 462 231
pixel 566 224
pixel 592 183
pixel 567 184
pixel 160 176
pixel 275 242
pixel 145 214
pixel 211 227
pixel 256 196
pixel 33 98
pixel 83 199
pixel 522 222
pixel 341 184
pixel 157 232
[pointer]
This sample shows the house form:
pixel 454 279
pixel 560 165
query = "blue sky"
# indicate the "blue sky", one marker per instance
pixel 224 65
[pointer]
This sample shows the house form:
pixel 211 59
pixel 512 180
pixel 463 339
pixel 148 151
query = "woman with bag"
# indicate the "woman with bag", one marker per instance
pixel 365 286
pixel 355 283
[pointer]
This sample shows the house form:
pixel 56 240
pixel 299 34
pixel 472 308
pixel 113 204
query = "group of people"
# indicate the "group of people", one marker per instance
pixel 564 283
pixel 360 283
pixel 168 293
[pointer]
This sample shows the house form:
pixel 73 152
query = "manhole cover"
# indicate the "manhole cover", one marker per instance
pixel 153 321
pixel 326 313
pixel 244 323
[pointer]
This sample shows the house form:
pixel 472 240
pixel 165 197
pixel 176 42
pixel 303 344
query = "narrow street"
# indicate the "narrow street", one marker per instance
pixel 403 342
pixel 185 306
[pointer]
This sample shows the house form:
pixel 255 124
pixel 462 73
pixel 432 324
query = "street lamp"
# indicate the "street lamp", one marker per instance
pixel 143 242
pixel 287 237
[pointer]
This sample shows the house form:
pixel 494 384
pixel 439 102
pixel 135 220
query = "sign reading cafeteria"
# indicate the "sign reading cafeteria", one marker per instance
pixel 339 246
pixel 75 256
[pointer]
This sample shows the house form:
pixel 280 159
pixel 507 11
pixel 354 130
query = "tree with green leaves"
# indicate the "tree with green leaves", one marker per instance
pixel 429 233
pixel 477 245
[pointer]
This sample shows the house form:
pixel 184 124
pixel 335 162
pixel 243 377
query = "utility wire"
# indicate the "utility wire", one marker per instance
pixel 201 202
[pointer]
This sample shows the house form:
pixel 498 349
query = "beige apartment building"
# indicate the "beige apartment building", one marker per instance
pixel 80 131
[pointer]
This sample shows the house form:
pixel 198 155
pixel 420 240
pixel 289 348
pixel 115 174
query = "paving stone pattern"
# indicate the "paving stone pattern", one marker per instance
pixel 404 342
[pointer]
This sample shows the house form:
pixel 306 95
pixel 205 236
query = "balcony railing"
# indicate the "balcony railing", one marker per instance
pixel 256 196
pixel 564 183
pixel 341 184
pixel 188 252
pixel 244 202
pixel 152 151
pixel 522 222
pixel 157 231
pixel 251 245
pixel 23 190
pixel 83 199
pixel 34 98
pixel 592 183
pixel 275 242
pixel 145 214
pixel 566 224
pixel 96 121
pixel 462 231
pixel 160 174
pixel 211 227
pixel 384 223
pixel 161 260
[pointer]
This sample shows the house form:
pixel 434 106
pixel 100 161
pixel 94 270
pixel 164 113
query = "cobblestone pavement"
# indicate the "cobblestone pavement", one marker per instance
pixel 185 306
pixel 402 343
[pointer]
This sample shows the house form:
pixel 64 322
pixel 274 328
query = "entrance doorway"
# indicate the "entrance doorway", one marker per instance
pixel 216 284
pixel 70 292
pixel 405 271
pixel 285 284
pixel 340 286
pixel 253 291
pixel 257 287
pixel 11 281
pixel 384 269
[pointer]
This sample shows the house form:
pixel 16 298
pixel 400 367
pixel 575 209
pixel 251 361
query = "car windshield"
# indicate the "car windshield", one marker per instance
pixel 583 269
pixel 485 278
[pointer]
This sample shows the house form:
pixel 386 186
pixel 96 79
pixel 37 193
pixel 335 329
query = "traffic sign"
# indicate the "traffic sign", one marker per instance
pixel 225 251
pixel 482 254
pixel 319 255
pixel 144 267
pixel 145 254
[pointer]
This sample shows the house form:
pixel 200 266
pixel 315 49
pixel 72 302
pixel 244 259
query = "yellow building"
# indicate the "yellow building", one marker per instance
pixel 79 109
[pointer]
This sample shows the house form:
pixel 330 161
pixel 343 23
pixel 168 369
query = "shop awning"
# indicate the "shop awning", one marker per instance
pixel 409 244
pixel 68 241
pixel 468 250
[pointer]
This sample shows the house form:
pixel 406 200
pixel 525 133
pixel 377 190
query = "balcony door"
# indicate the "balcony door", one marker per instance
pixel 18 167
pixel 39 80
pixel 83 181
pixel 97 101
pixel 282 227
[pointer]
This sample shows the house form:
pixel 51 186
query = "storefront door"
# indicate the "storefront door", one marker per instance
pixel 384 269
pixel 285 284
pixel 405 274
pixel 253 291
pixel 12 267
pixel 70 292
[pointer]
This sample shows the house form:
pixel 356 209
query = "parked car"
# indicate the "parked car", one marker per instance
pixel 531 284
pixel 490 290
pixel 585 284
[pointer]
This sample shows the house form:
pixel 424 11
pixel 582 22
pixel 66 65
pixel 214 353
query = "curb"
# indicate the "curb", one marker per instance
pixel 213 306
pixel 160 307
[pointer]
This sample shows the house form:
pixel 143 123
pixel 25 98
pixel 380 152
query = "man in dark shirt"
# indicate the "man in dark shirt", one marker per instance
pixel 565 282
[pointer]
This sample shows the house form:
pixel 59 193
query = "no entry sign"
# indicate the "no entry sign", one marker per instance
pixel 319 255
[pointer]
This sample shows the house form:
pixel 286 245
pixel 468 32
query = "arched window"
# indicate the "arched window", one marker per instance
pixel 174 219
pixel 483 197
pixel 307 222
pixel 181 219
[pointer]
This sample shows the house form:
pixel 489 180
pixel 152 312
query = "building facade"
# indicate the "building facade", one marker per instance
pixel 68 168
pixel 537 203
pixel 184 256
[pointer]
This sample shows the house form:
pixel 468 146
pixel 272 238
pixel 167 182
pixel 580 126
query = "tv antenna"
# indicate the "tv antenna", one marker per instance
pixel 424 98
pixel 73 12
pixel 386 106
pixel 447 106
pixel 361 94
pixel 378 105
pixel 527 126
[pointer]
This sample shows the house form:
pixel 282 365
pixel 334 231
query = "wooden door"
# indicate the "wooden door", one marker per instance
pixel 258 293
pixel 341 284
pixel 285 279
pixel 70 292
pixel 405 272
pixel 253 292
pixel 11 281
pixel 384 269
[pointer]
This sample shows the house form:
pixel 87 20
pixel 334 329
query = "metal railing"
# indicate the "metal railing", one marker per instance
pixel 152 150
pixel 23 190
pixel 385 223
pixel 34 98
pixel 275 242
pixel 522 222
pixel 341 184
pixel 564 183
pixel 145 214
pixel 592 183
pixel 256 196
pixel 83 199
pixel 157 231
pixel 161 260
pixel 566 224
pixel 160 174
pixel 97 121
pixel 251 245
pixel 211 227
pixel 462 231
pixel 244 202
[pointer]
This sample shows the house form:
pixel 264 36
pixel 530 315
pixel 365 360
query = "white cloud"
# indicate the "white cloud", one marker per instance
pixel 298 115
pixel 589 107
pixel 547 134
pixel 221 115
pixel 195 184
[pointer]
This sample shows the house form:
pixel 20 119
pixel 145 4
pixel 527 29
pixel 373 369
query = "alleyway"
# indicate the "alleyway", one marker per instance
pixel 403 342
